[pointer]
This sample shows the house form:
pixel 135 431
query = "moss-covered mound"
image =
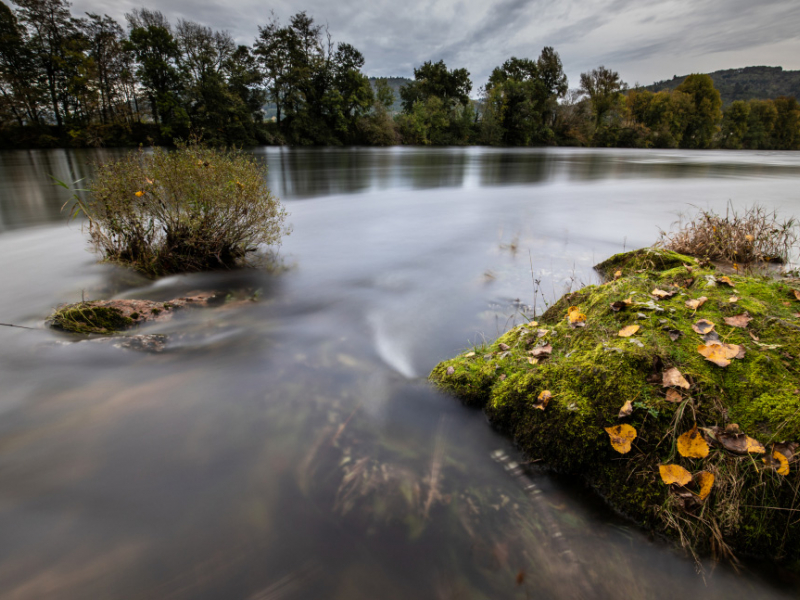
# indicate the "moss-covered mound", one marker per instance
pixel 110 316
pixel 745 404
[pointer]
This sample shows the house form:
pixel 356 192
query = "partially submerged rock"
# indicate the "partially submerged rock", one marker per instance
pixel 111 316
pixel 740 386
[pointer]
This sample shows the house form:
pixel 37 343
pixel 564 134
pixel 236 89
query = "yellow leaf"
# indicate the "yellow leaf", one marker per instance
pixel 542 400
pixel 621 437
pixel 533 361
pixel 626 410
pixel 469 355
pixel 754 446
pixel 704 481
pixel 692 445
pixel 749 238
pixel 726 280
pixel 719 354
pixel 576 317
pixel 695 304
pixel 674 474
pixel 661 294
pixel 628 331
pixel 783 469
pixel 674 378
pixel 628 301
pixel 139 194
pixel 617 275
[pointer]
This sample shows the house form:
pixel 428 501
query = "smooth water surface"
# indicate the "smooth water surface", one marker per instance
pixel 287 445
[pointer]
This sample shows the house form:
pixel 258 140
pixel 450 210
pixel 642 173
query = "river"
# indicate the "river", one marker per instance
pixel 290 447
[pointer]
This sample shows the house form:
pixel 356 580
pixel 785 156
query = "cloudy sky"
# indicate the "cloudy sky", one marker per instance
pixel 645 40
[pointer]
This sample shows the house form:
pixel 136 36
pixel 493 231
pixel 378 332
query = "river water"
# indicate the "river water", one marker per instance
pixel 290 447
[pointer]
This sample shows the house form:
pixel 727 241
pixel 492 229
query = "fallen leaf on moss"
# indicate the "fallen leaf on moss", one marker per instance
pixel 689 268
pixel 786 448
pixel 733 299
pixel 542 400
pixel 726 280
pixel 703 326
pixel 469 355
pixel 671 474
pixel 674 396
pixel 626 410
pixel 739 443
pixel 719 354
pixel 621 437
pixel 696 303
pixel 540 333
pixel 450 370
pixel 778 462
pixel 533 361
pixel 754 336
pixel 692 445
pixel 661 294
pixel 673 378
pixel 503 346
pixel 575 317
pixel 739 321
pixel 617 275
pixel 541 351
pixel 617 306
pixel 503 377
pixel 674 334
pixel 628 331
pixel 796 294
pixel 532 324
pixel 628 301
pixel 704 482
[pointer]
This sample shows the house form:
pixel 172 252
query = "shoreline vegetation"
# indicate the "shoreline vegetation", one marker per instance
pixel 671 388
pixel 69 81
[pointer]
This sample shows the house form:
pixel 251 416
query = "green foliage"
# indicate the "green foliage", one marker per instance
pixel 706 111
pixel 193 209
pixel 734 125
pixel 434 80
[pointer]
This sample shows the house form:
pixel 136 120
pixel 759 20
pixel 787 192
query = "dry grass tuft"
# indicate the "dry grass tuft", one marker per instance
pixel 754 234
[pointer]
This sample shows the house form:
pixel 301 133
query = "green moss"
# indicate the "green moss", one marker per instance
pixel 87 318
pixel 592 372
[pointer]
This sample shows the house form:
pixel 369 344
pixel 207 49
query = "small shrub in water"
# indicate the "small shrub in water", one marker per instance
pixel 193 209
pixel 754 234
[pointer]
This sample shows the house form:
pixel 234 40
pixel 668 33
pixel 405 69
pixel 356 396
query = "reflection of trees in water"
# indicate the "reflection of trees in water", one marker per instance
pixel 26 184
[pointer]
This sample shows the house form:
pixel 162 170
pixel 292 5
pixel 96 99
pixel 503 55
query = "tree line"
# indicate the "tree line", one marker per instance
pixel 89 81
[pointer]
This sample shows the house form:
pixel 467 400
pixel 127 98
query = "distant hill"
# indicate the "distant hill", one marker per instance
pixel 395 83
pixel 749 83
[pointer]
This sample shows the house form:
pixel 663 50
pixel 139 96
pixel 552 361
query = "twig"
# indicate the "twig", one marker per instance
pixel 17 326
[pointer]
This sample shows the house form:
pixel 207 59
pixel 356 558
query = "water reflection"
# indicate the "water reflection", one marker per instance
pixel 289 447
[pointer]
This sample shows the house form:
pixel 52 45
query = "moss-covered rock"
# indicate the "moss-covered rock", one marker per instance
pixel 105 317
pixel 591 372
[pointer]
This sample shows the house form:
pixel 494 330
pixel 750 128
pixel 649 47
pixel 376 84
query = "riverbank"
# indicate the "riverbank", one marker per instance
pixel 671 390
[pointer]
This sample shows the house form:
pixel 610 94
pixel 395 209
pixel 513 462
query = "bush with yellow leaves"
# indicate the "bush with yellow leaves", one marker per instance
pixel 192 209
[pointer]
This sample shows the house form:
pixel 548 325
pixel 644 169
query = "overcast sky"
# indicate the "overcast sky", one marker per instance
pixel 644 40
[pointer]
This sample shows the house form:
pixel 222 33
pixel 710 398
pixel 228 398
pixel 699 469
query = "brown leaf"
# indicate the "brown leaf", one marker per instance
pixel 796 294
pixel 541 351
pixel 617 275
pixel 719 354
pixel 704 482
pixel 786 448
pixel 626 410
pixel 697 303
pixel 692 445
pixel 733 299
pixel 726 280
pixel 542 400
pixel 540 333
pixel 521 577
pixel 674 396
pixel 621 437
pixel 673 378
pixel 575 317
pixel 671 474
pixel 703 326
pixel 503 346
pixel 739 321
pixel 674 334
pixel 754 336
pixel 503 377
pixel 739 443
pixel 617 306
pixel 628 331
pixel 689 268
pixel 661 294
